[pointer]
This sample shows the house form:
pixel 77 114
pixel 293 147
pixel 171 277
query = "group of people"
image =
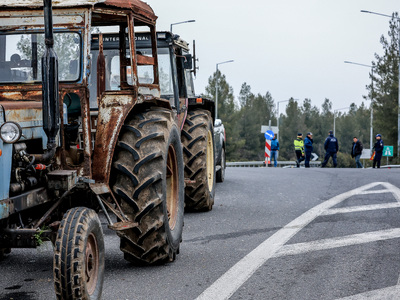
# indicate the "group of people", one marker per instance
pixel 304 148
pixel 357 149
pixel 376 156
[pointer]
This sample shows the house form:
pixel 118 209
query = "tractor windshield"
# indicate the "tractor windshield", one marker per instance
pixel 145 73
pixel 21 54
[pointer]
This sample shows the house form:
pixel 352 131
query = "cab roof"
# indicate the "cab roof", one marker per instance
pixel 137 6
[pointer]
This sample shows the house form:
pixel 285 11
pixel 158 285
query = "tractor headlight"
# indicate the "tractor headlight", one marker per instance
pixel 10 132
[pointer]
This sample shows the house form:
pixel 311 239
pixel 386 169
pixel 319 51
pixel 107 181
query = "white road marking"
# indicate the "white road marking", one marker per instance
pixel 236 276
pixel 355 239
pixel 343 210
pixel 374 192
pixel 389 293
pixel 393 189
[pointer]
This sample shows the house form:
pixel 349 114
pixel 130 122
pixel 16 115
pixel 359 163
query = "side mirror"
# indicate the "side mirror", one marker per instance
pixel 188 61
pixel 217 123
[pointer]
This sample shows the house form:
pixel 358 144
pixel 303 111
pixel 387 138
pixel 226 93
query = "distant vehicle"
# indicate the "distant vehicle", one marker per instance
pixel 220 144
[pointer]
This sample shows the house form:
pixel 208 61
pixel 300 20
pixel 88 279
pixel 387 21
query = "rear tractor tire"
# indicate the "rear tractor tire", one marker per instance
pixel 79 256
pixel 147 179
pixel 199 157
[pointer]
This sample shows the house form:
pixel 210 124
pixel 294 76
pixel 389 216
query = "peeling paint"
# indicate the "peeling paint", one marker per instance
pixel 112 112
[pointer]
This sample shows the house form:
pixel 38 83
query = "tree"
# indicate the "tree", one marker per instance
pixel 384 86
pixel 245 122
pixel 290 125
pixel 227 112
pixel 66 46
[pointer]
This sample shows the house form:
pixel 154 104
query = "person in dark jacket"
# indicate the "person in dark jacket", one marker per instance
pixel 308 148
pixel 331 146
pixel 274 150
pixel 299 149
pixel 378 147
pixel 356 151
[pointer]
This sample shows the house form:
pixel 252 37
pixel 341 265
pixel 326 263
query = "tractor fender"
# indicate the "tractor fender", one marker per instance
pixel 114 108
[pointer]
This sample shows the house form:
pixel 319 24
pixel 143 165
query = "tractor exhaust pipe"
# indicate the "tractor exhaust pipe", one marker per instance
pixel 51 110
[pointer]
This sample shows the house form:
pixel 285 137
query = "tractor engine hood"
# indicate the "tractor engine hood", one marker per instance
pixel 28 115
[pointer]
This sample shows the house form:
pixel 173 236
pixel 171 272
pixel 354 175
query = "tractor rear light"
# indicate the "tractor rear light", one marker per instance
pixel 10 132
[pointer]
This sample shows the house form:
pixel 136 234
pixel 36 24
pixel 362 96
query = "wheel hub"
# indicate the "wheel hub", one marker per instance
pixel 210 161
pixel 91 263
pixel 172 187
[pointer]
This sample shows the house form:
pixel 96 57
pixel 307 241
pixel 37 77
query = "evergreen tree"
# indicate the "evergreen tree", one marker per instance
pixel 385 86
pixel 290 125
pixel 227 112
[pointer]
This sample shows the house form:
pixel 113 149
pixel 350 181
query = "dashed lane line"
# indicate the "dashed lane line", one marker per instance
pixel 235 277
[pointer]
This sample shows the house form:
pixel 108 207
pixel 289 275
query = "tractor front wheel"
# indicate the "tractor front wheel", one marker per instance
pixel 79 256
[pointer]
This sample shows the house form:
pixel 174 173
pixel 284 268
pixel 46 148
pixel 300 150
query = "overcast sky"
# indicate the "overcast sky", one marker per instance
pixel 291 48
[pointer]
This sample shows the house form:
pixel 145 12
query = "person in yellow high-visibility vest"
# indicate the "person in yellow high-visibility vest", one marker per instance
pixel 299 149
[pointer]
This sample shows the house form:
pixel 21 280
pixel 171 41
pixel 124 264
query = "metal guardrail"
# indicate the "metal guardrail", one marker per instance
pixel 256 164
pixel 287 164
pixel 390 166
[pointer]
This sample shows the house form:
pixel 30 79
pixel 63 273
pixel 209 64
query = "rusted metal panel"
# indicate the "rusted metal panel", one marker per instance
pixel 28 114
pixel 24 93
pixel 23 202
pixel 56 3
pixel 181 117
pixel 148 89
pixel 84 169
pixel 86 129
pixel 100 188
pixel 153 34
pixel 144 60
pixel 101 70
pixel 113 110
pixel 132 45
pixel 137 6
pixel 15 105
pixel 38 20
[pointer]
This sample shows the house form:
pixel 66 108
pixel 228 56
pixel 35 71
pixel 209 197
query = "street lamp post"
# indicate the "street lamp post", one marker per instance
pixel 277 119
pixel 334 118
pixel 216 85
pixel 371 136
pixel 398 110
pixel 188 21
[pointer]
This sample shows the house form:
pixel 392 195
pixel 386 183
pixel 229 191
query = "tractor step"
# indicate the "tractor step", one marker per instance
pixel 122 225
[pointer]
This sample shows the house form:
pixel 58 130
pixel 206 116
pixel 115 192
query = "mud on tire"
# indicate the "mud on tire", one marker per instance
pixel 147 178
pixel 79 256
pixel 198 153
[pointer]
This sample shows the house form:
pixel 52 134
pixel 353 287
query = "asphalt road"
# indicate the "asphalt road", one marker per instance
pixel 273 234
